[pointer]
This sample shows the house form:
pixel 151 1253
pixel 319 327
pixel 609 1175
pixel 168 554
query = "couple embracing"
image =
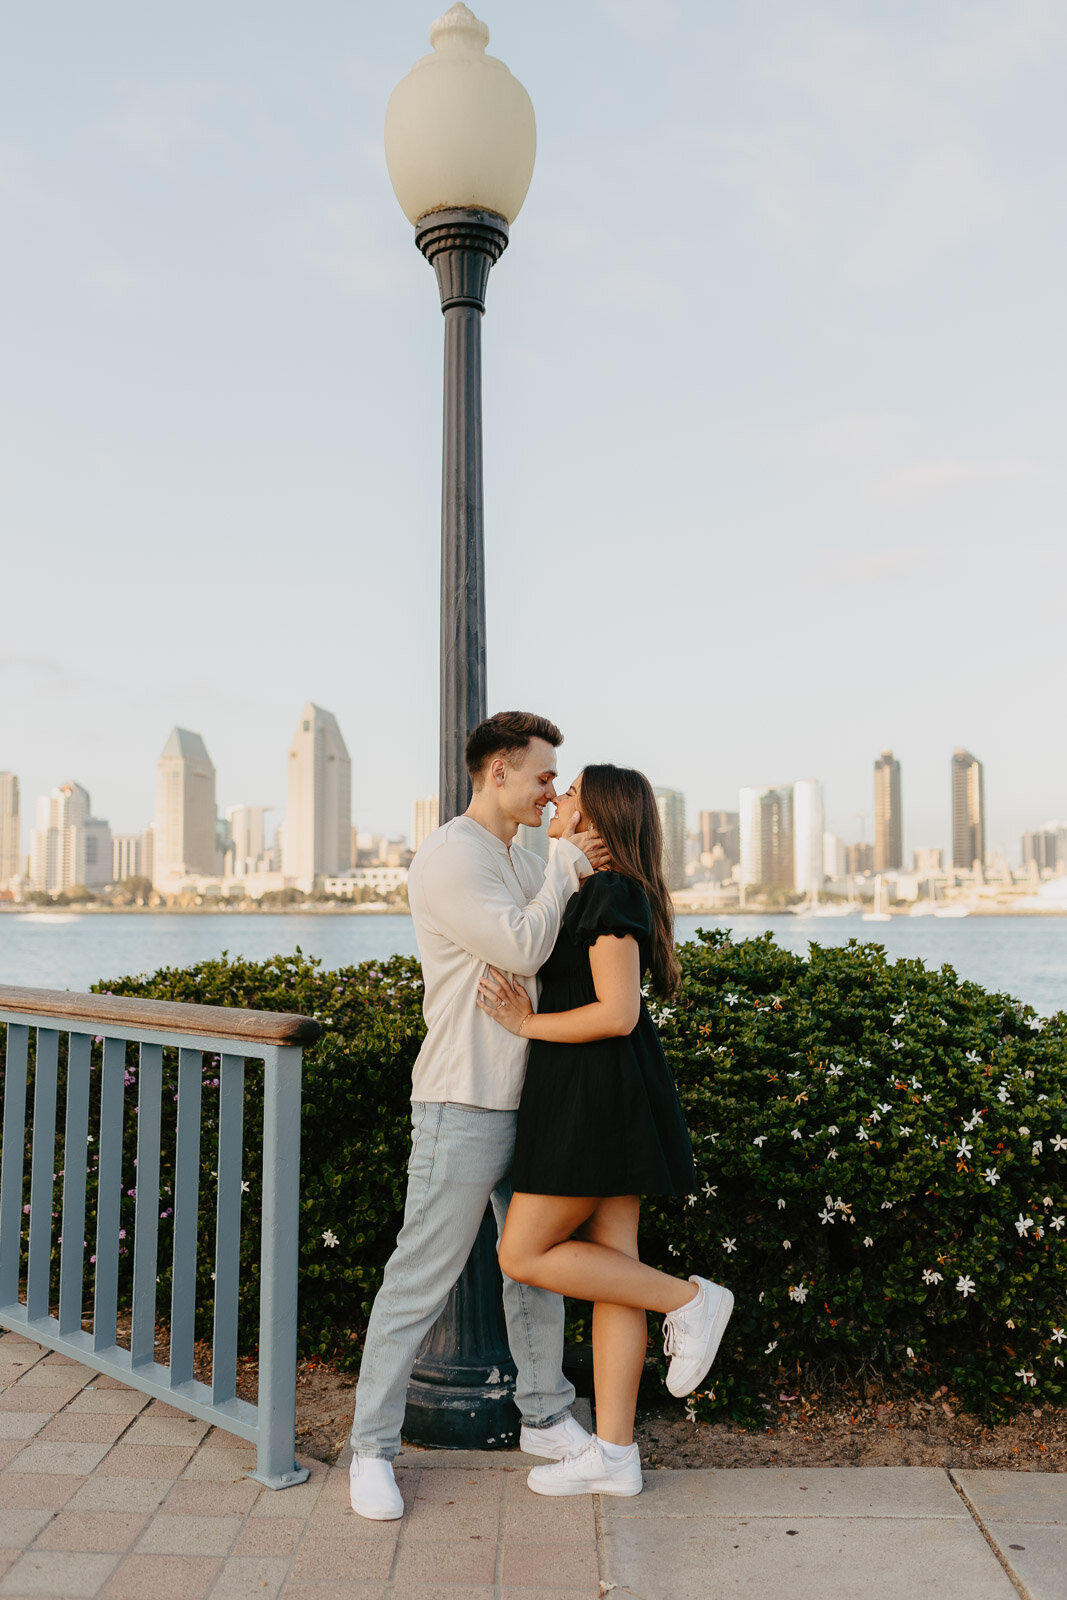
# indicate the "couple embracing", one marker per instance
pixel 561 1115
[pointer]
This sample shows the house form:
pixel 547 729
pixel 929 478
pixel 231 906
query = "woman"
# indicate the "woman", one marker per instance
pixel 600 1124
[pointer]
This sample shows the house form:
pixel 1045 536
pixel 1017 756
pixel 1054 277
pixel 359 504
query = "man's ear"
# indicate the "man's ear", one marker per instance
pixel 498 770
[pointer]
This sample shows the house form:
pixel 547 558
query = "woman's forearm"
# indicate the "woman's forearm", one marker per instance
pixel 580 1026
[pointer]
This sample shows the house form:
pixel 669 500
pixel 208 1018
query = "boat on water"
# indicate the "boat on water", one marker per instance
pixel 955 909
pixel 933 907
pixel 879 914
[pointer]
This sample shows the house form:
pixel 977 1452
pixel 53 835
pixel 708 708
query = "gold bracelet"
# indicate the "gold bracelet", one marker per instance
pixel 525 1020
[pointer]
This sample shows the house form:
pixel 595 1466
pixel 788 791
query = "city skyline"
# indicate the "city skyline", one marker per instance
pixel 812 486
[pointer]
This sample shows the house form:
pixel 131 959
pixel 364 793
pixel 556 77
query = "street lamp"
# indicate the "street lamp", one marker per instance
pixel 459 145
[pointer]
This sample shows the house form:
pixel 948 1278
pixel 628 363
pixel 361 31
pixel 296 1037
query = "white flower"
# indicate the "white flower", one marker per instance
pixel 772 1346
pixel 827 1216
pixel 1024 1133
pixel 875 1115
pixel 965 1286
pixel 1056 1222
pixel 868 1241
pixel 761 1297
pixel 1057 1335
pixel 915 1083
pixel 760 1139
pixel 1059 1142
pixel 1023 1225
pixel 1010 1323
pixel 831 1155
pixel 690 1414
pixel 972 1055
pixel 786 1245
pixel 674 1250
pixel 1037 1023
pixel 244 1186
pixel 1002 1096
pixel 833 1128
pixel 929 1276
pixel 731 999
pixel 991 1176
pixel 927 1098
pixel 1047 1201
pixel 910 1353
pixel 691 1199
pixel 862 1135
pixel 711 1189
pixel 1058 1361
pixel 798 1292
pixel 781 1204
pixel 835 1072
pixel 963 1150
pixel 797 1134
pixel 1027 1377
pixel 898 1044
pixel 899 1017
pixel 976 1117
pixel 329 1238
pixel 1036 1148
pixel 905 1133
pixel 729 1245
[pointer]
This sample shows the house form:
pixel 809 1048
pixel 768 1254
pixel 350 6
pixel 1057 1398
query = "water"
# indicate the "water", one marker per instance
pixel 1027 956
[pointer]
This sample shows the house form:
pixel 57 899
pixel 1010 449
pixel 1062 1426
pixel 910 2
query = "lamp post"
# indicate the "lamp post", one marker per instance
pixel 459 145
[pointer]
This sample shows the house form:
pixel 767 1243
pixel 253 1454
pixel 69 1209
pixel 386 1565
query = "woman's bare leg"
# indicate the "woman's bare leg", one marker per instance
pixel 537 1247
pixel 620 1333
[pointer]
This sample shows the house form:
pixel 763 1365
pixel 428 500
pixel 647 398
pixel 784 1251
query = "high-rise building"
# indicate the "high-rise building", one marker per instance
pixel 424 814
pixel 10 827
pixel 809 824
pixel 833 855
pixel 69 846
pixel 888 819
pixel 929 860
pixel 719 828
pixel 318 816
pixel 766 829
pixel 248 834
pixel 670 803
pixel 125 856
pixel 186 818
pixel 859 858
pixel 1046 848
pixel 968 811
pixel 535 840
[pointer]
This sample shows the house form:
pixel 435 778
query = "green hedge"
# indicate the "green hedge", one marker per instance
pixel 881 1153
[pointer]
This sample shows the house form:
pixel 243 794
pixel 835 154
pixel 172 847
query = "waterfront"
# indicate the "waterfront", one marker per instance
pixel 1027 957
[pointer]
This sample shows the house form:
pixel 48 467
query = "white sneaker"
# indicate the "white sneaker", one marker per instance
pixel 691 1335
pixel 589 1473
pixel 566 1438
pixel 373 1491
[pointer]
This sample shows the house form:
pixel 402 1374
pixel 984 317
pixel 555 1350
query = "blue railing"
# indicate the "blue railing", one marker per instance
pixel 99 1031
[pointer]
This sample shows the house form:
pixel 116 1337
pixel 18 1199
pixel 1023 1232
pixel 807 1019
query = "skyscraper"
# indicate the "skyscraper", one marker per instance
pixel 808 826
pixel 766 824
pixel 318 820
pixel 424 815
pixel 248 830
pixel 888 820
pixel 719 828
pixel 68 846
pixel 9 827
pixel 670 803
pixel 185 824
pixel 968 811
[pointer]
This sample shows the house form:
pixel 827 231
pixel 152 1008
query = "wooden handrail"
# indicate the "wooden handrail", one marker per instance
pixel 171 1016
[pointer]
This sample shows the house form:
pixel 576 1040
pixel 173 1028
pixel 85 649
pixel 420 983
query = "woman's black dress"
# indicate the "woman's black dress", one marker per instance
pixel 601 1118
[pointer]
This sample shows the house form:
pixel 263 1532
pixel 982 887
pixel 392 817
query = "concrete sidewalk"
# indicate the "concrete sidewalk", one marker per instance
pixel 104 1492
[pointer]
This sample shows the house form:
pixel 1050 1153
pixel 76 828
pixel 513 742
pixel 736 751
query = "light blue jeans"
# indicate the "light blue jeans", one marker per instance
pixel 460 1158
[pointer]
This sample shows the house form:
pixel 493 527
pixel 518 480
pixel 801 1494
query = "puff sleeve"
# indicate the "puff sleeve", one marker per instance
pixel 610 903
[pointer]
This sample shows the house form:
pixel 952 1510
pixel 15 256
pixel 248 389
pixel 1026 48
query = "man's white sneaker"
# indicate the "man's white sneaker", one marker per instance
pixel 566 1438
pixel 590 1472
pixel 691 1335
pixel 373 1491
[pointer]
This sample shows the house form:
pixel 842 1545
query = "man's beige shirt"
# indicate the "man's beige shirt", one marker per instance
pixel 476 903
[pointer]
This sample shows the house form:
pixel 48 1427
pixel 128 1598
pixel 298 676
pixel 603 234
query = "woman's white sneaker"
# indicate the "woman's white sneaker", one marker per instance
pixel 373 1491
pixel 564 1438
pixel 691 1335
pixel 589 1472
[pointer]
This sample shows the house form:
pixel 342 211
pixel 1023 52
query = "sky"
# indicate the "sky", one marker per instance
pixel 773 387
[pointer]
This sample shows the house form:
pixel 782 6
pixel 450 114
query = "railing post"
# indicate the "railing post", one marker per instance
pixel 279 1262
pixel 15 1075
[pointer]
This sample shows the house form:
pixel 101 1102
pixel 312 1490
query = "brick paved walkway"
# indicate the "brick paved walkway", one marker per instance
pixel 104 1492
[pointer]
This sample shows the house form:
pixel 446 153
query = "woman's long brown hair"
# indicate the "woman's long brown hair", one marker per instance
pixel 622 808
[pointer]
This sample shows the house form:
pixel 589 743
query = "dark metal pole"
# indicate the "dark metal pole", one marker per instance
pixel 462 1391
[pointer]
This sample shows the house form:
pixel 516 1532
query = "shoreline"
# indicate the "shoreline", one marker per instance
pixel 720 913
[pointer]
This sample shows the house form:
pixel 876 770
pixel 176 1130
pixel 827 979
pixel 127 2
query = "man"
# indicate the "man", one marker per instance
pixel 477 900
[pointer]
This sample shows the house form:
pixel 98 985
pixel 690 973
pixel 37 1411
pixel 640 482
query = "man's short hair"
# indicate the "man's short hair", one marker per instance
pixel 506 733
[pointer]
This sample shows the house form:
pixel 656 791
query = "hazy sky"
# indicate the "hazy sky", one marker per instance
pixel 774 390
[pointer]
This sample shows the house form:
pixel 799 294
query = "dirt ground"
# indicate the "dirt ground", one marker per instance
pixel 802 1431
